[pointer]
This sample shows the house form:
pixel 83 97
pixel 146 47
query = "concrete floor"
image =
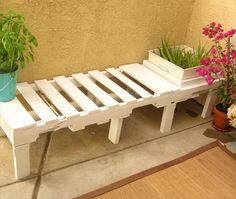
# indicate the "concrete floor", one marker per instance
pixel 66 164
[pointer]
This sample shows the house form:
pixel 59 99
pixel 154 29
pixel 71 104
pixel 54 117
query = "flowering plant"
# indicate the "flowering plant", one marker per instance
pixel 220 64
pixel 231 114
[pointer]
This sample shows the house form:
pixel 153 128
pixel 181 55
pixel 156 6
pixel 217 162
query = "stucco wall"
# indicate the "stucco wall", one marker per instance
pixel 80 35
pixel 206 11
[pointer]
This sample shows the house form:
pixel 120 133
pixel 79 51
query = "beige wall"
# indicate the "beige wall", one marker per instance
pixel 80 35
pixel 206 11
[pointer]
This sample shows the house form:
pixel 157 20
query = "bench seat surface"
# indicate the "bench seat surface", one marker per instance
pixel 64 98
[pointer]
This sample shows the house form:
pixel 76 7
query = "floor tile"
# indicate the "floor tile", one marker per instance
pixel 6 159
pixel 21 190
pixel 85 177
pixel 231 146
pixel 67 148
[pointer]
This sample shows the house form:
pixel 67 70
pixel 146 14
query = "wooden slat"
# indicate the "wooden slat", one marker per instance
pixel 77 95
pixel 105 98
pixel 15 114
pixel 149 79
pixel 135 87
pixel 38 105
pixel 120 92
pixel 56 98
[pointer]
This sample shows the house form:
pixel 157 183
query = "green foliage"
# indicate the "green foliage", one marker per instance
pixel 181 56
pixel 16 43
pixel 223 94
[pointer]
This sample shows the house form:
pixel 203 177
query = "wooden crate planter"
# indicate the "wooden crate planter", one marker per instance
pixel 165 67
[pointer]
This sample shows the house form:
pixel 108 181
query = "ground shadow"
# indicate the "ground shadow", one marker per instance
pixel 222 137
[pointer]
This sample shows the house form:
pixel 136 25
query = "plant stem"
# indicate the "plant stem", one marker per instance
pixel 228 68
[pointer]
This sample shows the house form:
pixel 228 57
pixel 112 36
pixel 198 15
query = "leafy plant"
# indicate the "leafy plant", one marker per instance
pixel 16 43
pixel 220 64
pixel 182 56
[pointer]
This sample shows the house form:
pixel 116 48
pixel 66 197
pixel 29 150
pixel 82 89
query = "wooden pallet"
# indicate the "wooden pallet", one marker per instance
pixel 84 99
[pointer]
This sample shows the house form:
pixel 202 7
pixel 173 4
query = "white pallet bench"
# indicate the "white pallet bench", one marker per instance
pixel 66 102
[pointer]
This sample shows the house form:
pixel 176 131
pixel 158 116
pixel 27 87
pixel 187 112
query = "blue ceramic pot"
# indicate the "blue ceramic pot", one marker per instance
pixel 8 86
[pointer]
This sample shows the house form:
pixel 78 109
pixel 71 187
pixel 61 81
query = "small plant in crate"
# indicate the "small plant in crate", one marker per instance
pixel 182 56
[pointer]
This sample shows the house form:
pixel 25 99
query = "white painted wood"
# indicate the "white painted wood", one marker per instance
pixel 167 117
pixel 38 105
pixel 166 75
pixel 115 130
pixel 149 79
pixel 209 104
pixel 135 87
pixel 16 115
pixel 120 92
pixel 193 81
pixel 105 98
pixel 76 94
pixel 172 78
pixel 168 67
pixel 164 64
pixel 21 155
pixel 56 98
pixel 21 128
pixel 2 134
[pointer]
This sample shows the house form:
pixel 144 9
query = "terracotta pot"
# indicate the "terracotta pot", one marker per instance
pixel 220 122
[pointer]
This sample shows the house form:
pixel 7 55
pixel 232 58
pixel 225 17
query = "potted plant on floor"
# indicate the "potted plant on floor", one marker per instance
pixel 220 64
pixel 16 50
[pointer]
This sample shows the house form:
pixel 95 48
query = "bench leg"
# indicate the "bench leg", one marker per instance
pixel 115 129
pixel 167 117
pixel 209 105
pixel 21 161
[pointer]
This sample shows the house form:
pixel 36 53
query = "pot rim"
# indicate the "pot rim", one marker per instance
pixel 221 114
pixel 17 68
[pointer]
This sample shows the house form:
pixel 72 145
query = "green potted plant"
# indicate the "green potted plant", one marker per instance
pixel 16 50
pixel 179 62
pixel 220 64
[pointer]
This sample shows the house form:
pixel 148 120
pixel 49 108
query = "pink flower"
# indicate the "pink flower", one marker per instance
pixel 209 80
pixel 205 61
pixel 202 71
pixel 214 69
pixel 232 31
pixel 213 51
pixel 212 24
pixel 233 96
pixel 224 60
pixel 226 34
pixel 212 30
pixel 234 53
pixel 220 62
pixel 220 36
pixel 198 69
pixel 222 73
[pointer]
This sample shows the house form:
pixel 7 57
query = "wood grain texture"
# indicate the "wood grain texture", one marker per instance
pixel 211 174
